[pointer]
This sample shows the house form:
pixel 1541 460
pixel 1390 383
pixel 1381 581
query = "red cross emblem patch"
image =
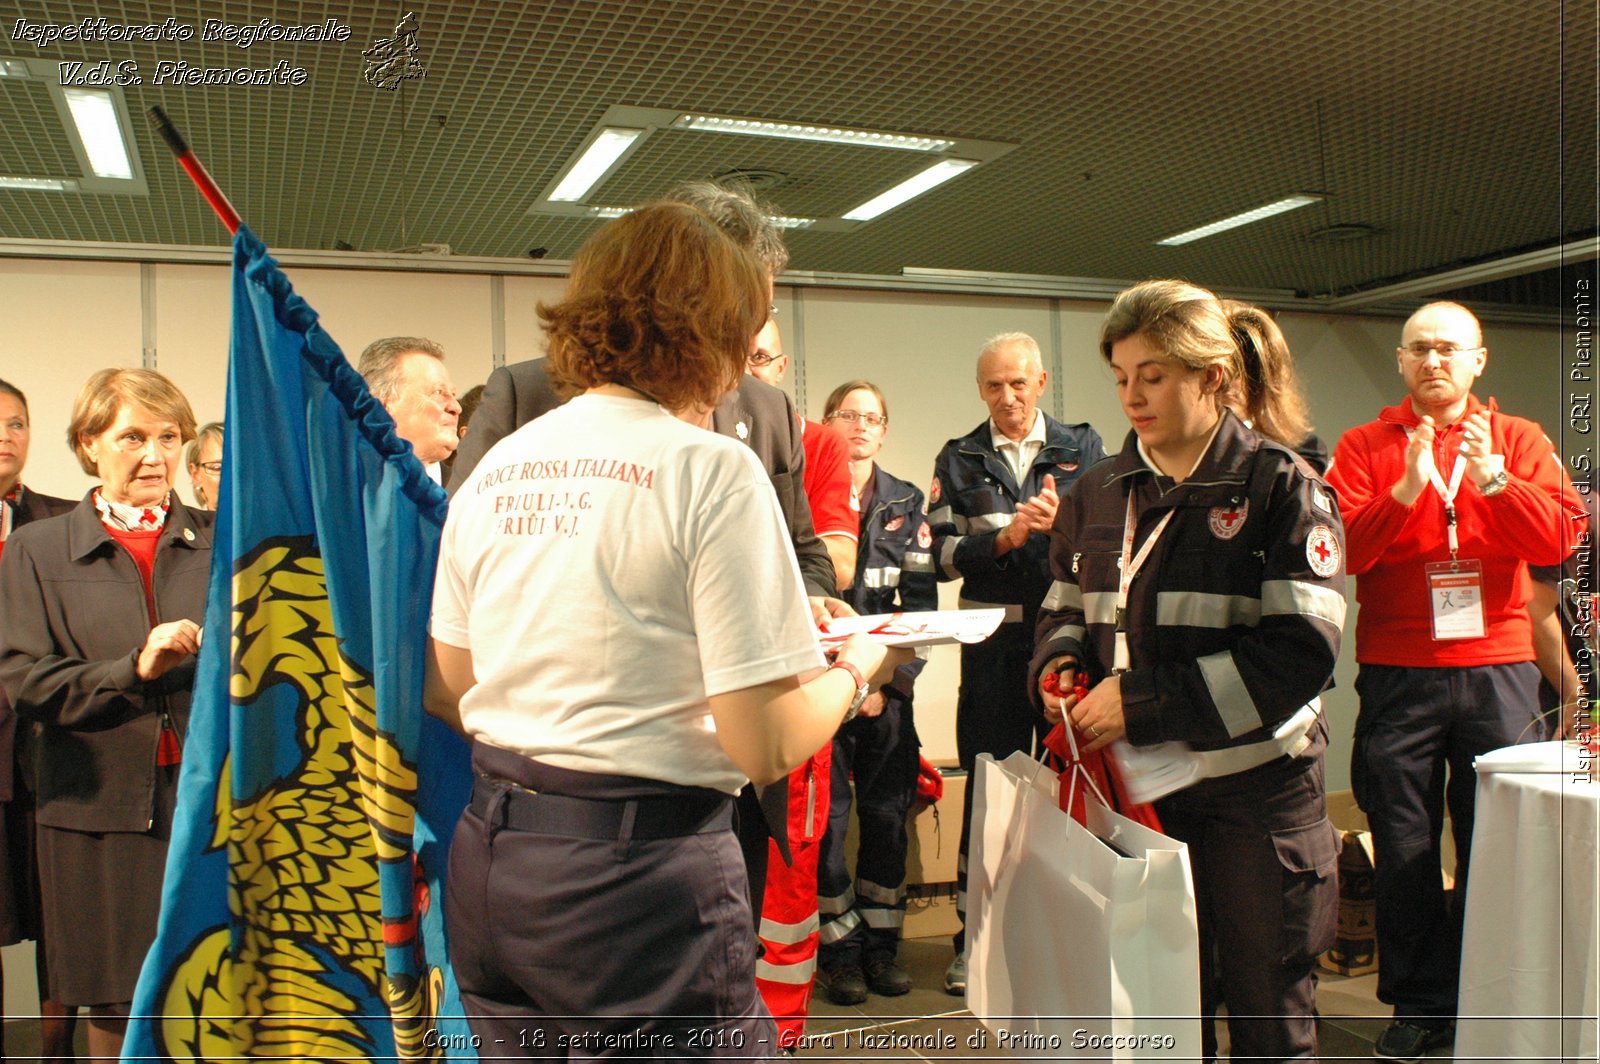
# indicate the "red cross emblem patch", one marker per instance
pixel 924 537
pixel 895 524
pixel 933 493
pixel 1226 521
pixel 1322 551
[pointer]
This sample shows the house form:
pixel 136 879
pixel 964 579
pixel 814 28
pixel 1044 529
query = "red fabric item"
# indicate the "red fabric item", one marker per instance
pixel 787 970
pixel 1536 520
pixel 930 782
pixel 142 546
pixel 1103 770
pixel 170 751
pixel 828 486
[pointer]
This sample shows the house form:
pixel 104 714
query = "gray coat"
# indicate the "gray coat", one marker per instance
pixel 76 618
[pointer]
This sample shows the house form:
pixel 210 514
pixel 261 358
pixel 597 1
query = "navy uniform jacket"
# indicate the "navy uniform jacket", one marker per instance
pixel 757 413
pixel 894 570
pixel 974 496
pixel 1233 620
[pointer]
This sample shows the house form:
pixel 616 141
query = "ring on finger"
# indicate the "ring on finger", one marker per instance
pixel 1094 731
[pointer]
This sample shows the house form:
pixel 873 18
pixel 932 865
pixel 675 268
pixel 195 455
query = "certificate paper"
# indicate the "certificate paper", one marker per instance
pixel 928 628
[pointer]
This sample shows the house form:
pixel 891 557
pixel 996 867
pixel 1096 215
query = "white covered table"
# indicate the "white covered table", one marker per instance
pixel 1530 957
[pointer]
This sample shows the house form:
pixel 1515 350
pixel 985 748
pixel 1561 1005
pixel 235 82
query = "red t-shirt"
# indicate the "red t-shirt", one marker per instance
pixel 829 489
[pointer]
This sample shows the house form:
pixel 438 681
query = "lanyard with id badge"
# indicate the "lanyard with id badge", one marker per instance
pixel 1455 587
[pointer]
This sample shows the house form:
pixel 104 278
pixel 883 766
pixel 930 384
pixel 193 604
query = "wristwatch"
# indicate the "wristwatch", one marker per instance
pixel 861 688
pixel 1497 484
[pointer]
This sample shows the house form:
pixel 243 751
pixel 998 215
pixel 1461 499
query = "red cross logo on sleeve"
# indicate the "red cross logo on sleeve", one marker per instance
pixel 1322 551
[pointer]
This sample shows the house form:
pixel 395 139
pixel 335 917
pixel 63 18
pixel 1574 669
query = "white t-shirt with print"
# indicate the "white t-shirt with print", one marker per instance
pixel 609 567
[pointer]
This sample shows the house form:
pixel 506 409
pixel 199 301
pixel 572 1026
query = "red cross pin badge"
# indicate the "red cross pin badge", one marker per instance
pixel 1226 521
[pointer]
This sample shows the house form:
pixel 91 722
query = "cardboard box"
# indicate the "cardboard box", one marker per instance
pixel 931 911
pixel 1355 944
pixel 934 837
pixel 1355 947
pixel 935 833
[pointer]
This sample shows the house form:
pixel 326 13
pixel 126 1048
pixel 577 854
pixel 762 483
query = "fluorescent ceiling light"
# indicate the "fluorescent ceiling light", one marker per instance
pixel 13 68
pixel 753 127
pixel 95 115
pixel 1288 203
pixel 782 221
pixel 912 187
pixel 594 163
pixel 37 184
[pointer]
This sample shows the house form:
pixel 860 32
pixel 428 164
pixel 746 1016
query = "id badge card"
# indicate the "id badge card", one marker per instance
pixel 1455 594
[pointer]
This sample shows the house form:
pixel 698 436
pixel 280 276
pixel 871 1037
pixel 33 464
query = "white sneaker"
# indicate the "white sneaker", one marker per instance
pixel 955 976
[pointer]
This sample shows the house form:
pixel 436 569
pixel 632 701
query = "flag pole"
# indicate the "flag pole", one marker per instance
pixel 191 165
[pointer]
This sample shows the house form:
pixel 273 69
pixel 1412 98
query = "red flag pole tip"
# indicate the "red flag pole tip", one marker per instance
pixel 191 165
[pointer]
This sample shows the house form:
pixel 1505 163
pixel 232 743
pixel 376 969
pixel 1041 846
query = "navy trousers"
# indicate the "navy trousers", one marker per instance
pixel 574 941
pixel 1416 735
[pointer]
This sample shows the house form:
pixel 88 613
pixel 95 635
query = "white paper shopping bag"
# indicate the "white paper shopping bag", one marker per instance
pixel 1082 940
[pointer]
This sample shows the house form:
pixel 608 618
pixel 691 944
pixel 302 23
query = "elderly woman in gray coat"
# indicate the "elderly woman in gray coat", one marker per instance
pixel 102 610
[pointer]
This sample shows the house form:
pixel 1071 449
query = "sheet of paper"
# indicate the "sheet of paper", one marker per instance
pixel 928 628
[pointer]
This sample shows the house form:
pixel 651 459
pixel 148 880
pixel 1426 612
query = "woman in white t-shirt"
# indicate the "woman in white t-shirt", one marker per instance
pixel 620 627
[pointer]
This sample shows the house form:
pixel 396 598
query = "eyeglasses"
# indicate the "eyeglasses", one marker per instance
pixel 855 417
pixel 1419 352
pixel 763 358
pixel 214 468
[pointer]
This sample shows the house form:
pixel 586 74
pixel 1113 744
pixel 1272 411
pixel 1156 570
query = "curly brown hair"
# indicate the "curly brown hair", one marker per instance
pixel 662 301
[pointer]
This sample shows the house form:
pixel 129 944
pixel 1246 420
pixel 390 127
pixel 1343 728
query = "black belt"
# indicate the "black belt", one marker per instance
pixel 503 804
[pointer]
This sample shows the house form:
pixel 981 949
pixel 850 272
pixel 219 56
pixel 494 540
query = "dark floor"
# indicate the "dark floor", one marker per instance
pixel 928 1024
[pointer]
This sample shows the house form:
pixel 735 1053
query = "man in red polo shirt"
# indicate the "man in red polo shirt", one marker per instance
pixel 1446 503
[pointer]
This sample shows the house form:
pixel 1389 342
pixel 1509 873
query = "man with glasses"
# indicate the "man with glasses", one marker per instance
pixel 991 505
pixel 834 512
pixel 1446 502
pixel 407 375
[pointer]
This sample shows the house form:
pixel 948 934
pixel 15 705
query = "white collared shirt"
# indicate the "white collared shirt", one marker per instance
pixel 1019 454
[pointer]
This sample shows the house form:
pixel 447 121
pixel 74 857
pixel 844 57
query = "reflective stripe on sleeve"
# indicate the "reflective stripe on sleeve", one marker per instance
pixel 1234 704
pixel 1201 609
pixel 886 576
pixel 1306 599
pixel 947 556
pixel 987 522
pixel 942 516
pixel 1062 595
pixel 917 561
pixel 1100 607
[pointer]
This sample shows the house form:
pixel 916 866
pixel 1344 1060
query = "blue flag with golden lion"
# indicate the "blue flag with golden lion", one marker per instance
pixel 302 913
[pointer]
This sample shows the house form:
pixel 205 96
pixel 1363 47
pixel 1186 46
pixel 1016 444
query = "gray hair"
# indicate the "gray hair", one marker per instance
pixel 1005 339
pixel 191 455
pixel 380 362
pixel 735 211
